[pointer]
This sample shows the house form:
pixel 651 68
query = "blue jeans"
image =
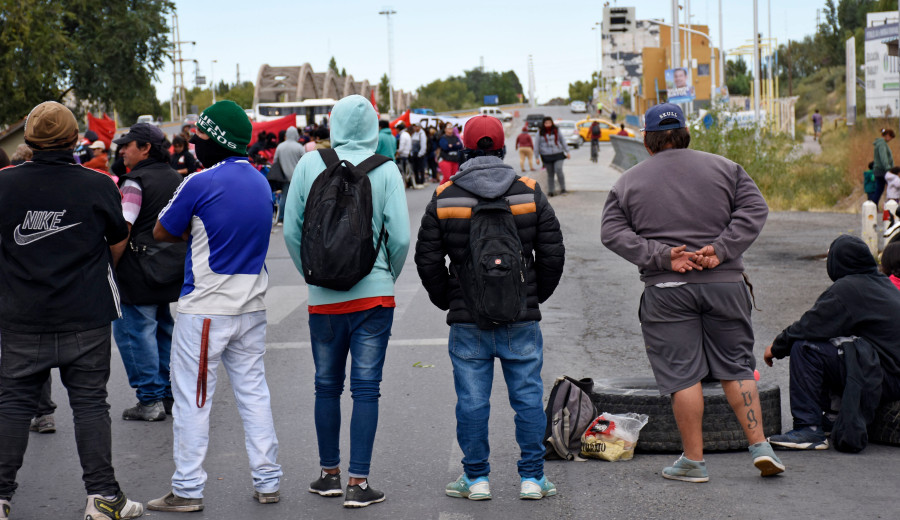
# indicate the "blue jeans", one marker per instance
pixel 519 347
pixel 364 335
pixel 144 337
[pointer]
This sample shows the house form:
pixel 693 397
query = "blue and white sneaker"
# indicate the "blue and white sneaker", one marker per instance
pixel 801 439
pixel 534 489
pixel 477 489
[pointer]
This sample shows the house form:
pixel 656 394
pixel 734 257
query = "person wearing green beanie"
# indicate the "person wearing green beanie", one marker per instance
pixel 225 214
pixel 228 132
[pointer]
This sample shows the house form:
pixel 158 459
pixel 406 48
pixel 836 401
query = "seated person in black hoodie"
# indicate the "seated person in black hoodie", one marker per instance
pixel 862 302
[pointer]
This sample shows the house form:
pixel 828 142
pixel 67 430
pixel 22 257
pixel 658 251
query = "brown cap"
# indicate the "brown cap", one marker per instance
pixel 51 125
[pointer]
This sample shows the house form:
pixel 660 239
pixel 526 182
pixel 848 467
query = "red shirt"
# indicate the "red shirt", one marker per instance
pixel 361 304
pixel 524 140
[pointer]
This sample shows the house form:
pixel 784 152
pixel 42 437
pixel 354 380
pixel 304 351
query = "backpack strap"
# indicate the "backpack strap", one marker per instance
pixel 371 163
pixel 329 156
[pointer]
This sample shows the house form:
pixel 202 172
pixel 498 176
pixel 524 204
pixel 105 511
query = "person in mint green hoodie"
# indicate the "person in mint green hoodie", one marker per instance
pixel 387 143
pixel 358 321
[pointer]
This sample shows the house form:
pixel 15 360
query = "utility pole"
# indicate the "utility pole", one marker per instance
pixel 237 71
pixel 721 50
pixel 387 12
pixel 676 52
pixel 597 28
pixel 690 54
pixel 771 63
pixel 531 92
pixel 176 105
pixel 756 63
pixel 212 81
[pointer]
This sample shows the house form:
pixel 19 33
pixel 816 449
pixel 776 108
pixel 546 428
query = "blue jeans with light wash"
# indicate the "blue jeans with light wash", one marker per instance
pixel 364 336
pixel 144 337
pixel 239 343
pixel 520 349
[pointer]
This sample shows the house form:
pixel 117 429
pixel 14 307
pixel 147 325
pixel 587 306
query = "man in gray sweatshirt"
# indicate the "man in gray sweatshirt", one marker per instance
pixel 685 218
pixel 288 154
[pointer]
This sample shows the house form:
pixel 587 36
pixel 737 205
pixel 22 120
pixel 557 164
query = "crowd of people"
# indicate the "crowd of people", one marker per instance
pixel 190 222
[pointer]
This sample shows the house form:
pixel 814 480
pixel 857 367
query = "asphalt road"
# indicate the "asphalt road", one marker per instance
pixel 590 329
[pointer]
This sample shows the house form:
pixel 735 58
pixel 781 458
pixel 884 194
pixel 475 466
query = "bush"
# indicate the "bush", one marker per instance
pixel 787 179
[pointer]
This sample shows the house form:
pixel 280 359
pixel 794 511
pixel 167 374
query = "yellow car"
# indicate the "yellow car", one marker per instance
pixel 606 129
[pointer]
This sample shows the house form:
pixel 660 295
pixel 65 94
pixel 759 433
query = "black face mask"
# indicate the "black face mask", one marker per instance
pixel 209 153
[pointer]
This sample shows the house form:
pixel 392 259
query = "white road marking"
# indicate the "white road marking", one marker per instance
pixel 282 300
pixel 425 342
pixel 454 516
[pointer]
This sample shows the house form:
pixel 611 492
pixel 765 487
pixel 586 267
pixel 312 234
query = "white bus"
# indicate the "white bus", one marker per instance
pixel 307 112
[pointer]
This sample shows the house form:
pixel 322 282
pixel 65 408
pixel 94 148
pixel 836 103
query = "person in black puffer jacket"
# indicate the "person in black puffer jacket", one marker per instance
pixel 519 345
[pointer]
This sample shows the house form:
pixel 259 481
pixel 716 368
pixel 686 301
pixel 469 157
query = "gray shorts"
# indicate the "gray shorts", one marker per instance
pixel 695 330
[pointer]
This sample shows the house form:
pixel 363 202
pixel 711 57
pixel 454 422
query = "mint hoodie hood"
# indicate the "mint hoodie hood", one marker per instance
pixel 354 125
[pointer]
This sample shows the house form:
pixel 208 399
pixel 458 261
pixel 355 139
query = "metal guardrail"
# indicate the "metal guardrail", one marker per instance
pixel 629 151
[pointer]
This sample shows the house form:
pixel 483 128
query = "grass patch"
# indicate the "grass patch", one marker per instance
pixel 790 180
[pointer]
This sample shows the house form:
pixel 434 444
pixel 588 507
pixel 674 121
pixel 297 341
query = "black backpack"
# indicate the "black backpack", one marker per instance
pixel 493 277
pixel 336 248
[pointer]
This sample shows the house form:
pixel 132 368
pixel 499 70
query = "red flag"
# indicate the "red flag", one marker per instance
pixel 404 118
pixel 374 104
pixel 104 128
pixel 274 126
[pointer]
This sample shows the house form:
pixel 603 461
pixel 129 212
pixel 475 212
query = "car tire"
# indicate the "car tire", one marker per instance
pixel 885 429
pixel 721 430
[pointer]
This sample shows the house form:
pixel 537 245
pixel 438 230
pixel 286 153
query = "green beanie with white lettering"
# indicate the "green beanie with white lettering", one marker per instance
pixel 227 124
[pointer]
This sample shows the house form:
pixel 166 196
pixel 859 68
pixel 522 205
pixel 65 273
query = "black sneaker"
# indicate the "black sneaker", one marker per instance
pixel 145 412
pixel 327 485
pixel 167 404
pixel 361 495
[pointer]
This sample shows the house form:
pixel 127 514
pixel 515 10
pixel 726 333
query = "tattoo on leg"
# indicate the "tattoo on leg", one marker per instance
pixel 748 398
pixel 751 419
pixel 740 384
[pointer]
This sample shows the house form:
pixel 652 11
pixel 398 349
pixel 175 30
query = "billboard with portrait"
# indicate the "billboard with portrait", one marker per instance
pixel 882 70
pixel 678 85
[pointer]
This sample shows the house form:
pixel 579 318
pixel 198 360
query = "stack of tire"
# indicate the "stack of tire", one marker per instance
pixel 721 430
pixel 885 429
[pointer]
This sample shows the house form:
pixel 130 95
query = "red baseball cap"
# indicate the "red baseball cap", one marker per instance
pixel 483 126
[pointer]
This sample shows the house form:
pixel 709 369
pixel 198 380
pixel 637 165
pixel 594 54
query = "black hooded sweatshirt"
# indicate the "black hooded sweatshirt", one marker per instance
pixel 861 302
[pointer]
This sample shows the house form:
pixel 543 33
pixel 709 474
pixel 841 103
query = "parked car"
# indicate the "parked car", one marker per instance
pixel 423 111
pixel 578 107
pixel 607 128
pixel 533 121
pixel 191 119
pixel 496 112
pixel 147 118
pixel 568 131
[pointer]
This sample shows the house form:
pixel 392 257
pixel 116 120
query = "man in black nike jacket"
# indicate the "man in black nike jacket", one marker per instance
pixel 58 295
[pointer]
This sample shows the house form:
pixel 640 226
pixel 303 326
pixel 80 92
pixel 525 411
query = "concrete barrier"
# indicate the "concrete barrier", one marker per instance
pixel 870 226
pixel 629 151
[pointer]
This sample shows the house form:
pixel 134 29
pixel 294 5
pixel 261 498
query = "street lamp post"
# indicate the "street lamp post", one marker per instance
pixel 212 81
pixel 387 12
pixel 598 29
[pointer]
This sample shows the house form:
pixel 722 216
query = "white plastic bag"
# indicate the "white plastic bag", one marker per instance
pixel 612 436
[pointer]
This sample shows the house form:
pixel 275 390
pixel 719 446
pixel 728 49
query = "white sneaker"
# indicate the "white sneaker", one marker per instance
pixel 4 509
pixel 99 508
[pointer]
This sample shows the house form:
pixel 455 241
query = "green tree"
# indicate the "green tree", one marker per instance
pixel 737 78
pixel 332 64
pixel 104 53
pixel 449 94
pixel 241 94
pixel 384 93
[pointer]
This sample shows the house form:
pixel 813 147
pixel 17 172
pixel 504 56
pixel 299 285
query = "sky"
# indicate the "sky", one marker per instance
pixel 435 40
